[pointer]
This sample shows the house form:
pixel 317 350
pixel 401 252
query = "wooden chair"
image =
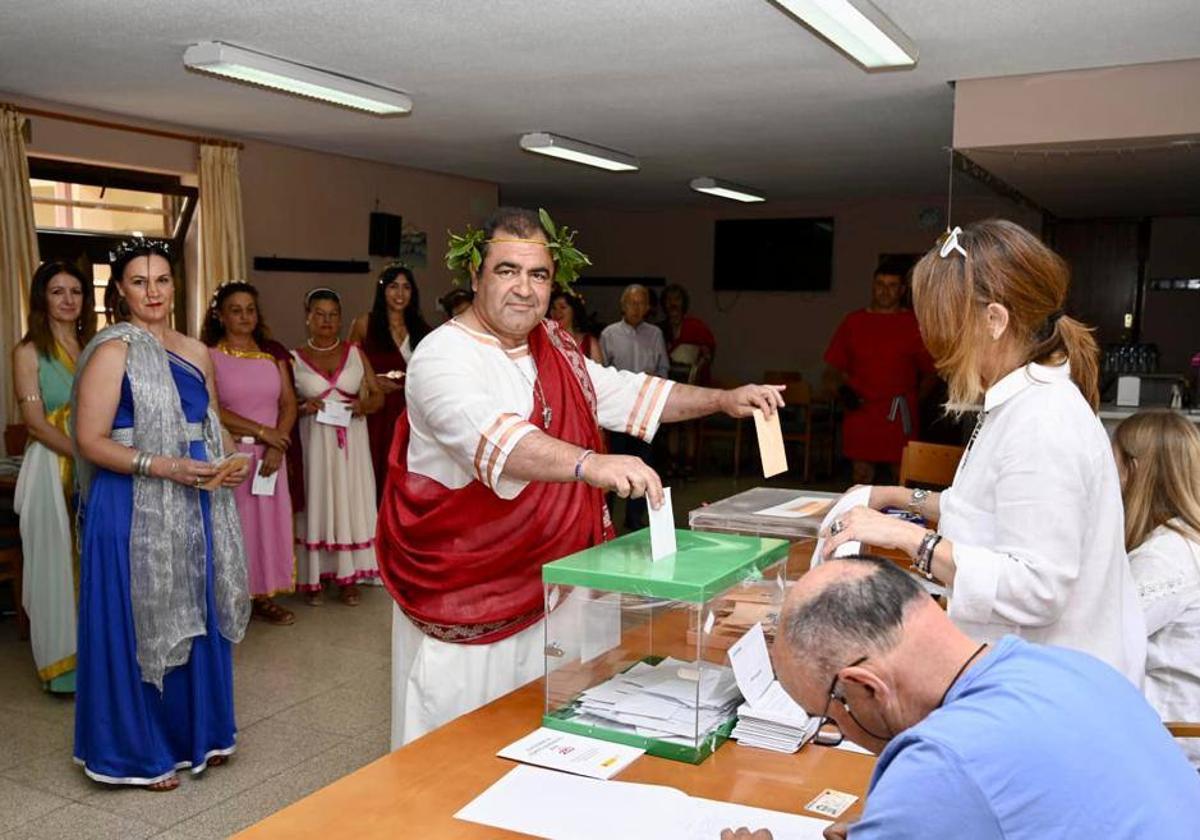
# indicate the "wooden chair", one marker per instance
pixel 797 418
pixel 929 464
pixel 1182 729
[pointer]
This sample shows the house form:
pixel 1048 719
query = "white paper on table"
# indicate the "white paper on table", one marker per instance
pixel 601 625
pixel 712 817
pixel 334 413
pixel 264 485
pixel 543 803
pixel 752 664
pixel 548 804
pixel 662 528
pixel 850 746
pixel 576 754
pixel 801 507
pixel 858 497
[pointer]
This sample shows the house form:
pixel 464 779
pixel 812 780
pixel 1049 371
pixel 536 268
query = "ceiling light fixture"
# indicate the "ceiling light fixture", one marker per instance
pixel 255 68
pixel 724 189
pixel 579 152
pixel 857 28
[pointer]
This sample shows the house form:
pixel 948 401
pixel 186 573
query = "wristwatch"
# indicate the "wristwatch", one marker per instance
pixel 919 495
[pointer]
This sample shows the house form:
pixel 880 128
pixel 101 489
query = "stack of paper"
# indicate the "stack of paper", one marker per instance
pixel 673 701
pixel 770 718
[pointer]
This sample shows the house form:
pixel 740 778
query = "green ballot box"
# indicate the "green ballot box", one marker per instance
pixel 634 652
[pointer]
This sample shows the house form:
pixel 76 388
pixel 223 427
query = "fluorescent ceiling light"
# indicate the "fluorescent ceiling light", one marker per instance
pixel 578 152
pixel 724 189
pixel 857 28
pixel 267 71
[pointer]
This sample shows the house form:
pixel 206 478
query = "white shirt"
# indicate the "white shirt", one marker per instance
pixel 1037 522
pixel 468 400
pixel 1166 569
pixel 640 349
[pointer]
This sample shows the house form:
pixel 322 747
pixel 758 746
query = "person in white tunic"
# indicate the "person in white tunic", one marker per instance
pixel 1158 457
pixel 335 534
pixel 497 468
pixel 1030 536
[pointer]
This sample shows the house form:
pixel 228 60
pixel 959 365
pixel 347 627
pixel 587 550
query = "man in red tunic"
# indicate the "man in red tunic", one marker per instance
pixel 497 468
pixel 881 368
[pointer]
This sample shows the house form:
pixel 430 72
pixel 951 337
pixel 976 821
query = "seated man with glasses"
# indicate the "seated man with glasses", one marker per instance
pixel 1007 740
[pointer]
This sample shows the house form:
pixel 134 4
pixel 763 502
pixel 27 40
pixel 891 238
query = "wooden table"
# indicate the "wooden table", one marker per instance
pixel 416 790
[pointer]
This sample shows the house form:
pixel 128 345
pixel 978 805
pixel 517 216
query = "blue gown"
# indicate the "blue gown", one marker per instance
pixel 125 731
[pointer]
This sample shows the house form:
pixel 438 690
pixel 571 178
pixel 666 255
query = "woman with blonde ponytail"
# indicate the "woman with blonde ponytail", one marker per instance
pixel 1158 458
pixel 1030 536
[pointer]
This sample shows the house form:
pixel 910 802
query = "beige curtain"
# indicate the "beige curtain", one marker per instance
pixel 222 238
pixel 18 249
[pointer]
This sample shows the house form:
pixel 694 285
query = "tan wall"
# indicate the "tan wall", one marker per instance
pixel 1143 100
pixel 757 331
pixel 296 203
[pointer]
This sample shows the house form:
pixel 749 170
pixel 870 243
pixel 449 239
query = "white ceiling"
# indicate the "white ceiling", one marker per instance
pixel 734 89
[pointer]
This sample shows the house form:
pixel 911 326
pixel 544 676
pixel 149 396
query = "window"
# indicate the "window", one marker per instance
pixel 82 211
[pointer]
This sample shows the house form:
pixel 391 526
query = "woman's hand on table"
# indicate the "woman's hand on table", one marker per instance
pixel 870 527
pixel 270 462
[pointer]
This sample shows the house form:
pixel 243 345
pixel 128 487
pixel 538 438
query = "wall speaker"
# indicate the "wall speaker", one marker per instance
pixel 385 235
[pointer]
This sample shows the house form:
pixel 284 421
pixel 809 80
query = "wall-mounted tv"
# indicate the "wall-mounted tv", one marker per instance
pixel 776 255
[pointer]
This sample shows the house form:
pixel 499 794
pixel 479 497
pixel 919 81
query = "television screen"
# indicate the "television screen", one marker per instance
pixel 776 255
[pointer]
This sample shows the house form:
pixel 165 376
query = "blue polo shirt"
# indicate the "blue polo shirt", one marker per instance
pixel 1033 742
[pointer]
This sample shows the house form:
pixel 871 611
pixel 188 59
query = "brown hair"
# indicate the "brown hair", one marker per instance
pixel 37 330
pixel 1008 265
pixel 1160 452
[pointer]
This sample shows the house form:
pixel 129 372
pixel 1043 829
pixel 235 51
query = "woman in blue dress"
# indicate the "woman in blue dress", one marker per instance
pixel 162 565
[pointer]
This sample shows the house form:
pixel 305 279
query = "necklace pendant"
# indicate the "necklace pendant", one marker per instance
pixel 547 416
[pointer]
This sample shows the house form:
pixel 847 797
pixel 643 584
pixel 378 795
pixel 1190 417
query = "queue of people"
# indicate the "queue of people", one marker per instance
pixel 449 464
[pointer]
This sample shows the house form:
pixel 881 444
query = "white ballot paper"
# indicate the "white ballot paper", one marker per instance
pixel 264 485
pixel 662 528
pixel 769 719
pixel 858 497
pixel 576 754
pixel 334 413
pixel 543 803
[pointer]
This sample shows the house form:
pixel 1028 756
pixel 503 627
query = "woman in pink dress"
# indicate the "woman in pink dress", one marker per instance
pixel 258 407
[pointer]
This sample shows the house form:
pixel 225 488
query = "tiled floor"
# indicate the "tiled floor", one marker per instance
pixel 313 702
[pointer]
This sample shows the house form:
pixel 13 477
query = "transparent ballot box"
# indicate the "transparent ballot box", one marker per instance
pixel 766 512
pixel 636 648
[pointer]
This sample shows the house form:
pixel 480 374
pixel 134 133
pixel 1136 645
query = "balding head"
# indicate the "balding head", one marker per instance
pixel 870 623
pixel 635 303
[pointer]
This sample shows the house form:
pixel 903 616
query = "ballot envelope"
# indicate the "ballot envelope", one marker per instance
pixel 633 646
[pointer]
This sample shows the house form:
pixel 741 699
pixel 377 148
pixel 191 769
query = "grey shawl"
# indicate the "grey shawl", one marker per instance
pixel 167 548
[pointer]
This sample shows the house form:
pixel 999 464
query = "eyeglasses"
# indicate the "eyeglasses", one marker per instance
pixel 832 739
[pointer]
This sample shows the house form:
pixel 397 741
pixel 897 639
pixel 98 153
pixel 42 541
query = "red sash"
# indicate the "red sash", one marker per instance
pixel 465 565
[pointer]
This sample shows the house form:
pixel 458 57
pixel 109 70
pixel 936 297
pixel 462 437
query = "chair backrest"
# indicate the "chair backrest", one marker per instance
pixel 1183 729
pixel 929 464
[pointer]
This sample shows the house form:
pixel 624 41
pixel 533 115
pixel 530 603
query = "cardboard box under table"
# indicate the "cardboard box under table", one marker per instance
pixel 630 650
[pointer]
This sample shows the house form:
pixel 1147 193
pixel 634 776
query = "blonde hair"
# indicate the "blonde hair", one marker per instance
pixel 1008 265
pixel 1160 452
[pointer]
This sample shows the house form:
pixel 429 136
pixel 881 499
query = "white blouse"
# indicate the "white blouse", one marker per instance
pixel 1037 523
pixel 468 399
pixel 1166 569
